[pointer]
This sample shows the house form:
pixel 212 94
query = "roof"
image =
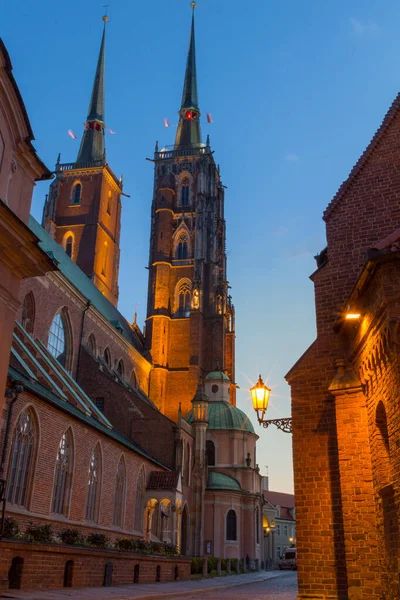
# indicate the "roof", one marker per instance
pixel 220 481
pixel 160 480
pixel 44 393
pixel 47 174
pixel 222 415
pixel 217 375
pixel 83 284
pixel 284 501
pixel 389 117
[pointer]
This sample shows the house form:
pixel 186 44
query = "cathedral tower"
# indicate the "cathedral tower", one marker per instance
pixel 190 316
pixel 83 209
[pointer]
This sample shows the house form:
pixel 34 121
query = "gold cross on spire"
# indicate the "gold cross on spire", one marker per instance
pixel 193 5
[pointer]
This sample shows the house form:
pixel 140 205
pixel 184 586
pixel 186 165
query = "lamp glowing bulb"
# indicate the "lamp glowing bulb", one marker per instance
pixel 352 316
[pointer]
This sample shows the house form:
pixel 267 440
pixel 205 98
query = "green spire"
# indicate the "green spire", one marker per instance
pixel 92 146
pixel 188 132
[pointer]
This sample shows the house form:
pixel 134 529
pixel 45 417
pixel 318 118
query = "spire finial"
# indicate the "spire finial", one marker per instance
pixel 193 5
pixel 105 17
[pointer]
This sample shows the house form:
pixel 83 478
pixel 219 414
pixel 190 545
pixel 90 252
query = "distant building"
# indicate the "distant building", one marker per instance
pixel 279 524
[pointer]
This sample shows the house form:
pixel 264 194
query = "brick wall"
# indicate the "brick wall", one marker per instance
pixel 43 566
pixel 329 479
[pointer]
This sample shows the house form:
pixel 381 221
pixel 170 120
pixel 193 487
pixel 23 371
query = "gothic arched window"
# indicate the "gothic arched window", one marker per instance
pixel 121 368
pixel 57 343
pixel 210 453
pixel 109 198
pixel 139 504
pixel 28 313
pixel 182 248
pixel 94 481
pixel 76 194
pixel 184 303
pixel 63 475
pixel 119 493
pixel 92 344
pixel 231 526
pixel 185 191
pixel 104 259
pixel 69 245
pixel 107 357
pixel 22 459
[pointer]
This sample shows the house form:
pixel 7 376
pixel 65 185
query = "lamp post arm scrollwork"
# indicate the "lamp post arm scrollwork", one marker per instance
pixel 284 425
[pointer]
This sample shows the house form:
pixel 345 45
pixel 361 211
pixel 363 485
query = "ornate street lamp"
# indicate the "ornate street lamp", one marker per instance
pixel 260 394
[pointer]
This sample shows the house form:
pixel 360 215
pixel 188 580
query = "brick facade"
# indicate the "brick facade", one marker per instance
pixel 344 390
pixel 44 566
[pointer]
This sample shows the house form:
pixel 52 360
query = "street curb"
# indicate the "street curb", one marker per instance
pixel 200 591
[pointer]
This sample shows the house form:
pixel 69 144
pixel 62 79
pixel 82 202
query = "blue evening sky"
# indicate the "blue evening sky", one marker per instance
pixel 296 90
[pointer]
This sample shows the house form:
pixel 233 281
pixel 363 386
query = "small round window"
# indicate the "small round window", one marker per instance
pixel 214 389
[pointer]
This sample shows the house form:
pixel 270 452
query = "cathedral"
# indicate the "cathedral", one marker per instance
pixel 106 428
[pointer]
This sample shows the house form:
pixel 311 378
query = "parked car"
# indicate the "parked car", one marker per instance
pixel 288 559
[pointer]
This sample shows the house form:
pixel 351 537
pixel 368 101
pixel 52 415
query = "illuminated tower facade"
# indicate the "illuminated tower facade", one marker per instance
pixel 190 315
pixel 83 209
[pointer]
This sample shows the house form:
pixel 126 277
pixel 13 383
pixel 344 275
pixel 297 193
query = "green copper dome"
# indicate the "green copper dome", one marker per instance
pixel 217 375
pixel 222 415
pixel 220 481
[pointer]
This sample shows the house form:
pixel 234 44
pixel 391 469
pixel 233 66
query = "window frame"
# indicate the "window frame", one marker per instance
pixel 66 488
pixel 21 472
pixel 92 506
pixel 73 202
pixel 67 361
pixel 120 493
pixel 231 526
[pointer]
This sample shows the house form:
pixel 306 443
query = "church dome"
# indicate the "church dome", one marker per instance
pixel 217 375
pixel 222 415
pixel 220 481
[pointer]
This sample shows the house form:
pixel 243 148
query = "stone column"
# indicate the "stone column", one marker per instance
pixel 244 565
pixel 237 566
pixel 228 566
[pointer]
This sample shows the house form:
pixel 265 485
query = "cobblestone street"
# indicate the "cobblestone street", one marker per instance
pixel 281 588
pixel 272 585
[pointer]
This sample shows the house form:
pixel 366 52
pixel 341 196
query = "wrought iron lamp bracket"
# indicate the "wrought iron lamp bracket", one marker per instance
pixel 284 425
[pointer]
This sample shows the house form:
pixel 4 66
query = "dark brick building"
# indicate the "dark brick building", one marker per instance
pixel 345 389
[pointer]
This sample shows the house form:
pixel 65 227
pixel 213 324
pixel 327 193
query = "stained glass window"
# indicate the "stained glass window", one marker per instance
pixel 93 494
pixel 63 475
pixel 21 459
pixel 119 494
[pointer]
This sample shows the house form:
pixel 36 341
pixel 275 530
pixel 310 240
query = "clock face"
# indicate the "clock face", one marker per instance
pixel 214 389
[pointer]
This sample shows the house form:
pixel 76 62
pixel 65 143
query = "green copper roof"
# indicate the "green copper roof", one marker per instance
pixel 217 375
pixel 92 146
pixel 188 131
pixel 220 481
pixel 222 415
pixel 83 284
